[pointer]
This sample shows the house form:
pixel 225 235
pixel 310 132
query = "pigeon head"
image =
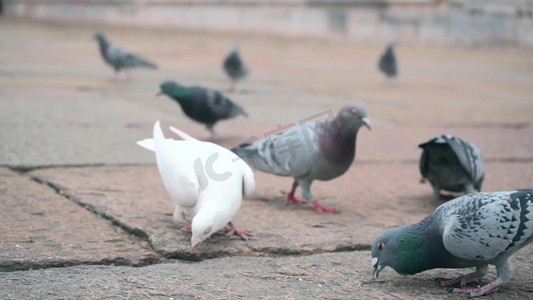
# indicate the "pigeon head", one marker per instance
pixel 234 47
pixel 354 115
pixel 399 248
pixel 202 227
pixel 100 37
pixel 169 88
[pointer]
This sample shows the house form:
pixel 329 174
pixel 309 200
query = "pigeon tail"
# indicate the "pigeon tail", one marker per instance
pixel 182 134
pixel 159 138
pixel 147 144
pixel 148 65
pixel 241 111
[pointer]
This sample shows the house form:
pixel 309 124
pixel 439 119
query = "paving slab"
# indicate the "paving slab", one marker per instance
pixel 371 197
pixel 346 275
pixel 43 229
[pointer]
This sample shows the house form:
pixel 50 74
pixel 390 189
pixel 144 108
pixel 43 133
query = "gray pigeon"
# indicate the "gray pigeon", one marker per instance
pixel 470 231
pixel 387 63
pixel 118 58
pixel 201 104
pixel 323 150
pixel 235 67
pixel 451 163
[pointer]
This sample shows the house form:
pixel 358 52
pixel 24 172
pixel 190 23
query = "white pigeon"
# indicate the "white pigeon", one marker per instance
pixel 206 182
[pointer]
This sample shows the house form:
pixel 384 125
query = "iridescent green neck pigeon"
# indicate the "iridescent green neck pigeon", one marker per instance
pixel 470 231
pixel 203 105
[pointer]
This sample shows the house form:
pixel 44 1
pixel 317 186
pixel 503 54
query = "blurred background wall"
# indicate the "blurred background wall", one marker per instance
pixel 470 22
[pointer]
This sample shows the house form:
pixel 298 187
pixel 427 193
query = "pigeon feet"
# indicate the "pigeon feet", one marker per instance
pixel 475 292
pixel 318 207
pixel 463 279
pixel 187 227
pixel 235 87
pixel 234 230
pixel 292 198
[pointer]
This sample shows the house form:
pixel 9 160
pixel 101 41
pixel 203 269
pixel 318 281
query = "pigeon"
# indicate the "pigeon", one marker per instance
pixel 321 150
pixel 473 230
pixel 203 105
pixel 235 67
pixel 205 181
pixel 118 58
pixel 451 163
pixel 387 62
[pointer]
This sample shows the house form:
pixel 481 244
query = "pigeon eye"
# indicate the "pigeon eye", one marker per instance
pixel 381 246
pixel 207 230
pixel 354 111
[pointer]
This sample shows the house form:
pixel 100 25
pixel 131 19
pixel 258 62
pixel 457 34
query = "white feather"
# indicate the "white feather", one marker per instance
pixel 203 179
pixel 182 134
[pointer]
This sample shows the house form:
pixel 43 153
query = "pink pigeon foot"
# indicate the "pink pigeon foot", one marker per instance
pixel 292 198
pixel 234 230
pixel 464 279
pixel 318 207
pixel 475 292
pixel 186 228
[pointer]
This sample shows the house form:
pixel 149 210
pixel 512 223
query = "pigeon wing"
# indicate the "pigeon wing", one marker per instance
pixel 483 226
pixel 469 156
pixel 120 58
pixel 221 106
pixel 291 153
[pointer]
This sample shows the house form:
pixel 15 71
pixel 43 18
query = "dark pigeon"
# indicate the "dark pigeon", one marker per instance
pixel 470 231
pixel 322 151
pixel 387 63
pixel 453 164
pixel 235 68
pixel 203 105
pixel 118 58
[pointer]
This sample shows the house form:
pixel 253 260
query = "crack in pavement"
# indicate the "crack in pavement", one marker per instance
pixel 138 233
pixel 141 238
pixel 17 265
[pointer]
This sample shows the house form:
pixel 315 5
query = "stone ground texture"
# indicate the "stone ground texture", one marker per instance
pixel 84 214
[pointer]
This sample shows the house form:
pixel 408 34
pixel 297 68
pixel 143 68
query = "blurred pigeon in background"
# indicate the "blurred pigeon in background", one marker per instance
pixel 235 67
pixel 118 58
pixel 201 104
pixel 323 151
pixel 470 231
pixel 205 181
pixel 387 62
pixel 451 163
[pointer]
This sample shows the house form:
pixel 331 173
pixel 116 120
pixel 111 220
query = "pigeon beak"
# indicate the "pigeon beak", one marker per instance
pixel 159 94
pixel 376 267
pixel 194 247
pixel 366 122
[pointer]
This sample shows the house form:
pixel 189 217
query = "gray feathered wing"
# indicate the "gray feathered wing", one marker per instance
pixel 291 153
pixel 469 156
pixel 120 59
pixel 489 226
pixel 223 107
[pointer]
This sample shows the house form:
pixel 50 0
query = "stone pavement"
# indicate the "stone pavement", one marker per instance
pixel 84 214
